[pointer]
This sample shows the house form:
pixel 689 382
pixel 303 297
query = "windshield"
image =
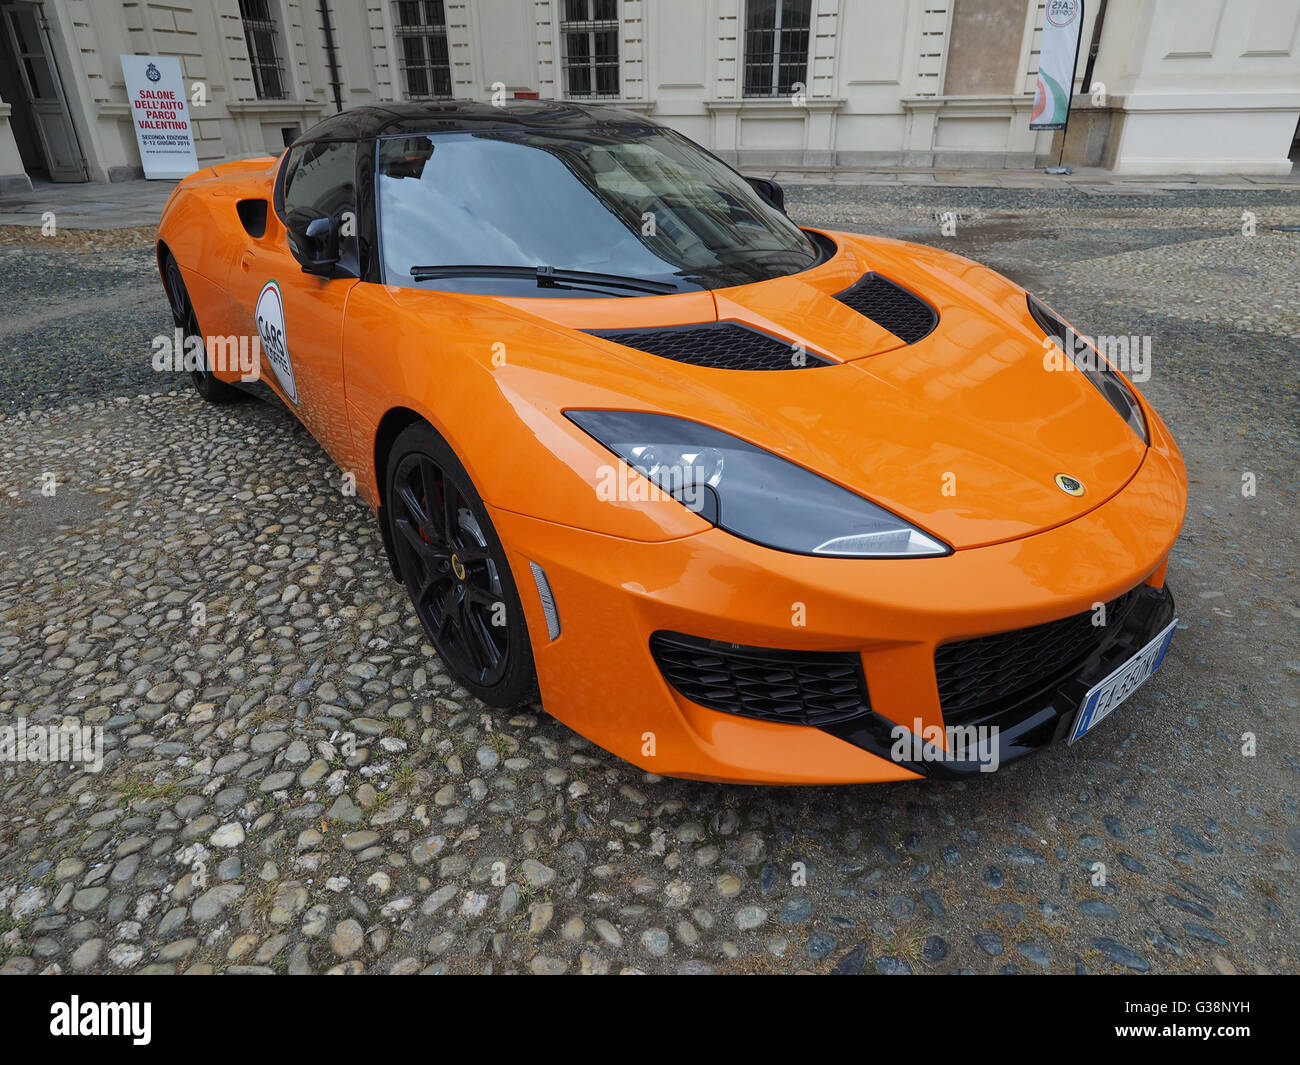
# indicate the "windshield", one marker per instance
pixel 628 200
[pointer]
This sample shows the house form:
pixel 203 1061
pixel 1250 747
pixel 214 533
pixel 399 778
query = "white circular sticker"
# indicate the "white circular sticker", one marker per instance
pixel 275 345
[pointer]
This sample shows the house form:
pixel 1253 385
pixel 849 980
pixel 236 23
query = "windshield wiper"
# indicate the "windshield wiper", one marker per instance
pixel 546 277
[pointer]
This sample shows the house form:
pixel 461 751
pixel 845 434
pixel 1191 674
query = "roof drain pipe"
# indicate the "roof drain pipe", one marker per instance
pixel 331 55
pixel 1086 87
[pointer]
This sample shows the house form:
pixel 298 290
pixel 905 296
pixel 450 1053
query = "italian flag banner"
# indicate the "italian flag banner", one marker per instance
pixel 1062 28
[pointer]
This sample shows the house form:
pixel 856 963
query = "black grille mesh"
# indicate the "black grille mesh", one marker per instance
pixel 889 305
pixel 720 345
pixel 796 687
pixel 981 675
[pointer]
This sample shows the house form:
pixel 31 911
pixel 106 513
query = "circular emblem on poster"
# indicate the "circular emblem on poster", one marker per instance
pixel 1062 12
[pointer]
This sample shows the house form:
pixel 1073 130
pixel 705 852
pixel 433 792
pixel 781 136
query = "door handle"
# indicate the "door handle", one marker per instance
pixel 246 261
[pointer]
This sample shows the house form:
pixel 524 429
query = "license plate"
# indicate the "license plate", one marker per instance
pixel 1104 696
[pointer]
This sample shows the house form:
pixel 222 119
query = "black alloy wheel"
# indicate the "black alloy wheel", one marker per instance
pixel 206 383
pixel 455 570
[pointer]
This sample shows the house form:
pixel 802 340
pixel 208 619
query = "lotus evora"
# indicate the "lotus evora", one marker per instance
pixel 738 500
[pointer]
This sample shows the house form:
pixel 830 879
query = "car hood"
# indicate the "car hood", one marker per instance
pixel 962 433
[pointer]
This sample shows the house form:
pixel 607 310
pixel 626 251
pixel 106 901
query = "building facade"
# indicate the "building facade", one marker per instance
pixel 1163 86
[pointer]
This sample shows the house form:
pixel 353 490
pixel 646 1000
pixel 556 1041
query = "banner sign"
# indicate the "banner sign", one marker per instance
pixel 1062 29
pixel 156 93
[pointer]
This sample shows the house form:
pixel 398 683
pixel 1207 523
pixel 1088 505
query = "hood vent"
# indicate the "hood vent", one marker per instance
pixel 892 307
pixel 718 345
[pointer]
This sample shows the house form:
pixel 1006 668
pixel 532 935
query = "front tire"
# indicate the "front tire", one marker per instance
pixel 455 570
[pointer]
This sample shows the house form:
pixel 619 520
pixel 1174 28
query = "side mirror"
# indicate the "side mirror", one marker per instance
pixel 314 242
pixel 770 190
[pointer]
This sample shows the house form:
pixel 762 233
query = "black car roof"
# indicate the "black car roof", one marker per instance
pixel 446 116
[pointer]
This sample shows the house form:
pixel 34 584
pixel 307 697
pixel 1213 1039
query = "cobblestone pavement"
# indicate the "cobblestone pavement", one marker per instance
pixel 231 830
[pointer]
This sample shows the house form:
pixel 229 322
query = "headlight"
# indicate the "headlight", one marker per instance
pixel 1096 369
pixel 751 492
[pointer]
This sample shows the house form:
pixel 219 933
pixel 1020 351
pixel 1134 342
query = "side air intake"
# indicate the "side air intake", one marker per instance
pixel 892 307
pixel 795 687
pixel 719 345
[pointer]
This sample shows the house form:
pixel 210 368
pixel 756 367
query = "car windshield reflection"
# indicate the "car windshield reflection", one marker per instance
pixel 633 201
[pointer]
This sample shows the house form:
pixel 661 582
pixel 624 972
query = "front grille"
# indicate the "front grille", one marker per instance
pixel 981 676
pixel 796 687
pixel 891 306
pixel 719 345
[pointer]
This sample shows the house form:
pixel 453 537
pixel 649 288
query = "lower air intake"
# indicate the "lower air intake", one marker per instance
pixel 978 677
pixel 795 687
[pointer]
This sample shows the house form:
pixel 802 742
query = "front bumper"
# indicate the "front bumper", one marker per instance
pixel 599 677
pixel 1041 717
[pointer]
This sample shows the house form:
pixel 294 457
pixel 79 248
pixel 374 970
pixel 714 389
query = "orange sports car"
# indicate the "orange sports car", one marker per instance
pixel 739 501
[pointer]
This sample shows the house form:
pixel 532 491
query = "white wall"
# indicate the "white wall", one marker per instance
pixel 1195 86
pixel 1205 86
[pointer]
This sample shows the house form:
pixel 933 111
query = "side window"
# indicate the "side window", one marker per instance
pixel 320 182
